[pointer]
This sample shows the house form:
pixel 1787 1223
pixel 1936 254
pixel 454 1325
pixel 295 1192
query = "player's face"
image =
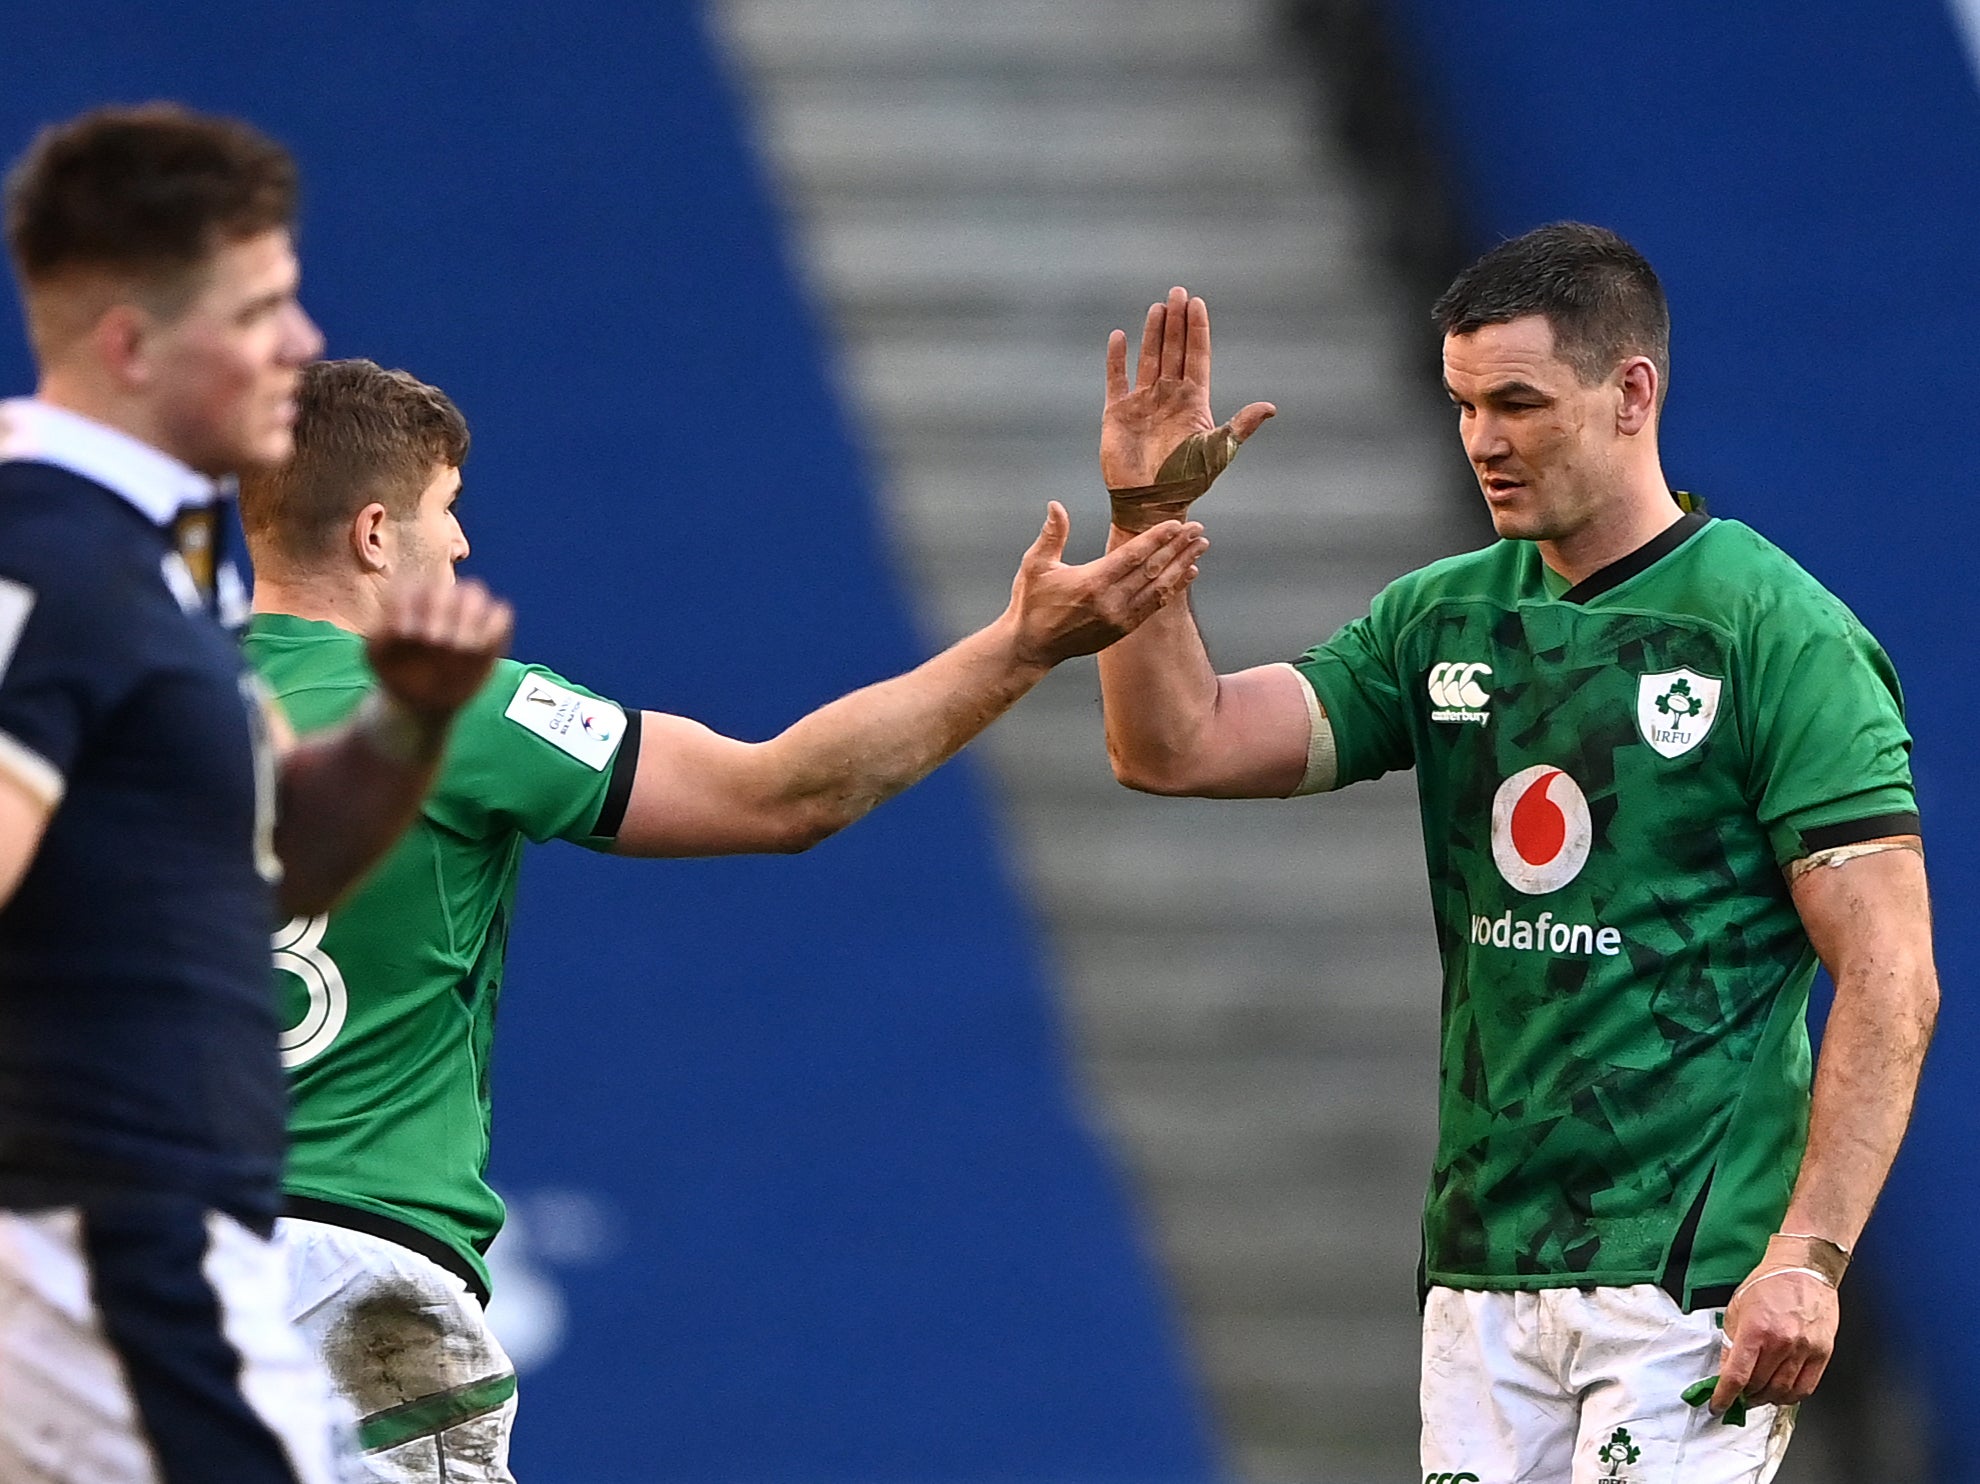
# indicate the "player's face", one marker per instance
pixel 432 540
pixel 224 369
pixel 1543 445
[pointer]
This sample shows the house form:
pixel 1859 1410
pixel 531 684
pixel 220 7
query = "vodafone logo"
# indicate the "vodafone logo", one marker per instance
pixel 1541 830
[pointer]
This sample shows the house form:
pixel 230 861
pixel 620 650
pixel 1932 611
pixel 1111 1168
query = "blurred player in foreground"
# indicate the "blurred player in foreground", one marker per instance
pixel 394 1007
pixel 1662 770
pixel 147 826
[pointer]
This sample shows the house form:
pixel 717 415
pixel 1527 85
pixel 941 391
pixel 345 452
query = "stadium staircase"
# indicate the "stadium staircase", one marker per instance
pixel 978 192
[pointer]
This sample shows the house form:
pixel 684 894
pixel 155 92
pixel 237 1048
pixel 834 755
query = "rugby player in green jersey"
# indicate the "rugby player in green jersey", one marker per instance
pixel 392 995
pixel 1662 772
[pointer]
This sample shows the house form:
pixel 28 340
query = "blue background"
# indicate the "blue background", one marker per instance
pixel 1805 182
pixel 860 1228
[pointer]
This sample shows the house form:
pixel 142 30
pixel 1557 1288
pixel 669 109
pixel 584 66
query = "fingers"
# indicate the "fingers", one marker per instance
pixel 1793 1377
pixel 1051 543
pixel 1196 343
pixel 1178 571
pixel 1810 1377
pixel 1175 333
pixel 1131 554
pixel 1772 1358
pixel 1150 365
pixel 1250 418
pixel 1790 1382
pixel 489 624
pixel 1772 1381
pixel 1735 1370
pixel 463 617
pixel 1117 382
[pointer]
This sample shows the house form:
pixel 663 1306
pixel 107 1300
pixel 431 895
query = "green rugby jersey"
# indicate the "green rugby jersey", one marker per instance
pixel 1611 779
pixel 389 1002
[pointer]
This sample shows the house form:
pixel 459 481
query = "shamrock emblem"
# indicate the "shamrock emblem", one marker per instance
pixel 1678 701
pixel 1619 1451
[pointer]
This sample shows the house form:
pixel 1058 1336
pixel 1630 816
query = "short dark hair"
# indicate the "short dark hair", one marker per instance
pixel 1598 293
pixel 362 434
pixel 148 192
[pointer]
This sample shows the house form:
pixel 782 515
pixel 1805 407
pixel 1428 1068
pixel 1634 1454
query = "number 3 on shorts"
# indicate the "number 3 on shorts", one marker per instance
pixel 298 946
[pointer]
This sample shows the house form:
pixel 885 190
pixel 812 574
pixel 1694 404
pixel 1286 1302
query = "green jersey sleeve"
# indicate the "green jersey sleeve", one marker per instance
pixel 1357 680
pixel 1831 754
pixel 534 753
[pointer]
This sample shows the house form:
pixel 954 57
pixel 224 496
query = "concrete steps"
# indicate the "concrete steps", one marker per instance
pixel 979 193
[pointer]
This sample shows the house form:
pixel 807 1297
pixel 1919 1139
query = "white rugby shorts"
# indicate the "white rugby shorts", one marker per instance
pixel 145 1338
pixel 408 1347
pixel 1581 1386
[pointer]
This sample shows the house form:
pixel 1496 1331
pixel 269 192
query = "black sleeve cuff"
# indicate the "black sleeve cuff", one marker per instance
pixel 618 792
pixel 1856 831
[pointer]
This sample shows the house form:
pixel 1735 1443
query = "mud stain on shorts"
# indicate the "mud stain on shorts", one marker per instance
pixel 396 1343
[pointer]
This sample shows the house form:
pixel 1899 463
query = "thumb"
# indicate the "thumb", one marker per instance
pixel 1051 542
pixel 1250 419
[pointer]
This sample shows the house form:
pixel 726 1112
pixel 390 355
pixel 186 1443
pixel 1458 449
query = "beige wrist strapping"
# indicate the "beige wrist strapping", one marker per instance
pixel 1185 474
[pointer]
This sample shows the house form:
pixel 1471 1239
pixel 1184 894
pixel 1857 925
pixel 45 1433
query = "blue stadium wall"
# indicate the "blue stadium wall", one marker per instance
pixel 803 1185
pixel 1805 180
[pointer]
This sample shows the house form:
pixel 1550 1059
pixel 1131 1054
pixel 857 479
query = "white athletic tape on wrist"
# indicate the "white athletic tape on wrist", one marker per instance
pixel 1322 760
pixel 1820 1277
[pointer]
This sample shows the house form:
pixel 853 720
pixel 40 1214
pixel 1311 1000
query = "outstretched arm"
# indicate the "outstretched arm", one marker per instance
pixel 347 794
pixel 697 792
pixel 1869 919
pixel 1175 726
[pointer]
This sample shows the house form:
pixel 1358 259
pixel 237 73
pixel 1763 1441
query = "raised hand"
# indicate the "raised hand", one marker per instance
pixel 1063 610
pixel 1160 447
pixel 437 644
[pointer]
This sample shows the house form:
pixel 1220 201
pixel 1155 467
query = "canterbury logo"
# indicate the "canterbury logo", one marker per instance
pixel 1456 693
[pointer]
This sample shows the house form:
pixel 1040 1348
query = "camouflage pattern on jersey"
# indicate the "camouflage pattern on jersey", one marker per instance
pixel 1609 788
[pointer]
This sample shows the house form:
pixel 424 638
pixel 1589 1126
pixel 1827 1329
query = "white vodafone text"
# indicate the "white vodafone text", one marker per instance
pixel 1544 935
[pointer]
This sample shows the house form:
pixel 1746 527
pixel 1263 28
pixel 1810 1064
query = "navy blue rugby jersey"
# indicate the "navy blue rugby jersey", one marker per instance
pixel 137 1012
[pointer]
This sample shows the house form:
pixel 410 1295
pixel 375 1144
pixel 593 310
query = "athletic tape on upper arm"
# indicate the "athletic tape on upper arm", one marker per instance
pixel 1322 761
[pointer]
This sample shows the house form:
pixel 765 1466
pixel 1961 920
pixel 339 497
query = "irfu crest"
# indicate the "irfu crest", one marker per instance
pixel 1675 710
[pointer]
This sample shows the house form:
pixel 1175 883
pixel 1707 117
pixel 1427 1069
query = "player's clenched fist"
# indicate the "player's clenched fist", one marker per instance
pixel 437 645
pixel 1066 610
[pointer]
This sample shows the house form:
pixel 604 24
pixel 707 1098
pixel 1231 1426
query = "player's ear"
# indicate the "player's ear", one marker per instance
pixel 121 340
pixel 370 542
pixel 1636 408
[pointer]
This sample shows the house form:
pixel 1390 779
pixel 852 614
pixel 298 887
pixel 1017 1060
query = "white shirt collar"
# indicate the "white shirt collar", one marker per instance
pixel 152 480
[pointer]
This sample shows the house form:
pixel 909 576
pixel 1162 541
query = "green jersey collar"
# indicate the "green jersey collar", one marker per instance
pixel 288 626
pixel 1623 568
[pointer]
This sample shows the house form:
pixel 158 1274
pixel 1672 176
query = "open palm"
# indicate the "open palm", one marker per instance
pixel 1168 405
